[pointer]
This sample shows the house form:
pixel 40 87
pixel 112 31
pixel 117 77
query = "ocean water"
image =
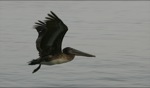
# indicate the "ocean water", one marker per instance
pixel 117 32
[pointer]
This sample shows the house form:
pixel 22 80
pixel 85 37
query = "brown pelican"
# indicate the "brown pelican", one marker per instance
pixel 49 41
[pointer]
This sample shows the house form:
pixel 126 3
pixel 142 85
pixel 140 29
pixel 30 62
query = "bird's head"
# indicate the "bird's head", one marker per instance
pixel 71 51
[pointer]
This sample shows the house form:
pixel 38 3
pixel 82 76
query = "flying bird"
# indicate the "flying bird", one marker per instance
pixel 49 42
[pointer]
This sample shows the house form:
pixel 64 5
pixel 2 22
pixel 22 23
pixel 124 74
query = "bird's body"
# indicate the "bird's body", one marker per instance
pixel 49 42
pixel 58 59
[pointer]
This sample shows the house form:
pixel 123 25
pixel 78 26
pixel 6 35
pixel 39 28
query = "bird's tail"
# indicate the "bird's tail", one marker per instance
pixel 33 62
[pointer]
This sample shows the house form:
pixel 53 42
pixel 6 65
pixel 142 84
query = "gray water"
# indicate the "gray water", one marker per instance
pixel 117 32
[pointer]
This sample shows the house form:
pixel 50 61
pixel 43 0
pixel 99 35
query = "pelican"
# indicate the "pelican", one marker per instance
pixel 49 42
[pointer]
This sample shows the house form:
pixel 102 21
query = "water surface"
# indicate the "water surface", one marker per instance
pixel 117 32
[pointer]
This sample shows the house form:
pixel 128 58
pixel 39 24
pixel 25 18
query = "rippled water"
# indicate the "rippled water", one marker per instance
pixel 117 32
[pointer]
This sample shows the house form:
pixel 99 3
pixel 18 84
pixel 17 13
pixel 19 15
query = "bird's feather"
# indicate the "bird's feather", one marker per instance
pixel 50 35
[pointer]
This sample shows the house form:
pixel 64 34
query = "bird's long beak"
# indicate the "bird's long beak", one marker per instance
pixel 80 53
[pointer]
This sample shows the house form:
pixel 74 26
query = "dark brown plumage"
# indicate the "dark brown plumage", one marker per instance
pixel 50 36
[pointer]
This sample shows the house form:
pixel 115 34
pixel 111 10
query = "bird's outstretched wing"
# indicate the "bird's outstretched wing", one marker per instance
pixel 50 35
